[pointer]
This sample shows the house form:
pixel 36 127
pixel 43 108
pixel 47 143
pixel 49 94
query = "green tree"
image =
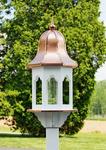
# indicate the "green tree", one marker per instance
pixel 3 50
pixel 86 43
pixel 98 99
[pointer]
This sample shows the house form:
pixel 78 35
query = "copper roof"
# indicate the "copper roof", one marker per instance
pixel 52 50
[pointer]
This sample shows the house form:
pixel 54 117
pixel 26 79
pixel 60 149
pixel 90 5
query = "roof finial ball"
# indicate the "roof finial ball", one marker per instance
pixel 52 25
pixel 52 71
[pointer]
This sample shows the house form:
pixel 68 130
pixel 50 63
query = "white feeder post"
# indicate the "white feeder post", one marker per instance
pixel 52 67
pixel 52 138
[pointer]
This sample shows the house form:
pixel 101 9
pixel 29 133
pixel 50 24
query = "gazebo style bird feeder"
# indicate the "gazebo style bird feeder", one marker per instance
pixel 52 84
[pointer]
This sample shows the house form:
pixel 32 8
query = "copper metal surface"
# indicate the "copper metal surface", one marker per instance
pixel 52 50
pixel 38 110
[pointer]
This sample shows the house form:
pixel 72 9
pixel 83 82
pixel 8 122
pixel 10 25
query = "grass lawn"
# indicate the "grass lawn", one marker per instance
pixel 81 141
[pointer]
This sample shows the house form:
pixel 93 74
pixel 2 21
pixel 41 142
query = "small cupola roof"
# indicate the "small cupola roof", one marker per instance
pixel 52 50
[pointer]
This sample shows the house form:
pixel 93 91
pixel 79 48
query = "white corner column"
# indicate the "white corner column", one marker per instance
pixel 33 93
pixel 52 138
pixel 71 91
pixel 44 93
pixel 60 93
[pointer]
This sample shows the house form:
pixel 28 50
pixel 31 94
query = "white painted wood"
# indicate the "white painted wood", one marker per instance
pixel 53 107
pixel 71 91
pixel 52 119
pixel 44 93
pixel 60 93
pixel 52 138
pixel 45 73
pixel 33 93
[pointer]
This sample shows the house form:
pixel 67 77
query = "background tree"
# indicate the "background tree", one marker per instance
pixel 85 38
pixel 98 99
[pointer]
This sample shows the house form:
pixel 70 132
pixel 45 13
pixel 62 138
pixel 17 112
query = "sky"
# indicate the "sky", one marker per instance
pixel 101 72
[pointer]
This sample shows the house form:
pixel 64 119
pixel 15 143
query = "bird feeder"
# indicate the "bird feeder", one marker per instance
pixel 52 84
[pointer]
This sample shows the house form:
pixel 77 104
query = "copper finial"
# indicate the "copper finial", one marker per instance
pixel 52 26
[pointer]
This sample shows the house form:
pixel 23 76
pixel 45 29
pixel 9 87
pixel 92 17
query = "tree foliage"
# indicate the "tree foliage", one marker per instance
pixel 98 99
pixel 7 100
pixel 85 39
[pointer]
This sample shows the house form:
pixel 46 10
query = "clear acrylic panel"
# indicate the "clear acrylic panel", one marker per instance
pixel 52 91
pixel 65 91
pixel 39 91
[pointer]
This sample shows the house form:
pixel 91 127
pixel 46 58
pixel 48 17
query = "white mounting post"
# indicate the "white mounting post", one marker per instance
pixel 52 121
pixel 52 138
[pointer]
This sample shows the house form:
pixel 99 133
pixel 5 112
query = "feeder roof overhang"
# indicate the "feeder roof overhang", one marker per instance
pixel 52 50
